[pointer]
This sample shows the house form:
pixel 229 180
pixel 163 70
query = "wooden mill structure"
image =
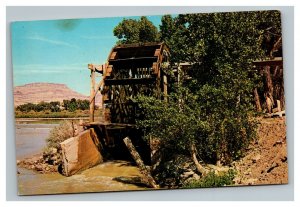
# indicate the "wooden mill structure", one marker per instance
pixel 273 93
pixel 131 69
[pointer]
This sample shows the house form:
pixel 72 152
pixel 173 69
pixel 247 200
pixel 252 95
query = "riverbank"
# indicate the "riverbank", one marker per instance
pixel 36 177
pixel 265 162
pixel 61 114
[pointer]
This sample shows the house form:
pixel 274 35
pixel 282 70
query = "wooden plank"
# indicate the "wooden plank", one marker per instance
pixel 138 45
pixel 133 59
pixel 129 81
pixel 278 106
pixel 81 152
pixel 276 61
pixel 113 56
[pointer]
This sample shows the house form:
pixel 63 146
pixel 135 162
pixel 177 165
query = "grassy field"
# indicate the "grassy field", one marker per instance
pixel 49 114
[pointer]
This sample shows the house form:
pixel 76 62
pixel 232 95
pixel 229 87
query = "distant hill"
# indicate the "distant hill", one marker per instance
pixel 37 92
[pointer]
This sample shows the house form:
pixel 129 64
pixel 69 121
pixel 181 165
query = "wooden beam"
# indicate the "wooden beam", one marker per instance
pixel 133 45
pixel 155 68
pixel 97 68
pixel 97 88
pixel 165 87
pixel 275 61
pixel 92 94
pixel 129 81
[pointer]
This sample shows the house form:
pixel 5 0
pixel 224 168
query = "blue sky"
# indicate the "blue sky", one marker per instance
pixel 58 51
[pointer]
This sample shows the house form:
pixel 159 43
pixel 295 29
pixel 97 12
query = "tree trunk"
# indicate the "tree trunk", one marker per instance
pixel 148 179
pixel 199 167
pixel 257 101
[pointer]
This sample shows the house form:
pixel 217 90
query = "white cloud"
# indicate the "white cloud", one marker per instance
pixel 55 42
pixel 49 69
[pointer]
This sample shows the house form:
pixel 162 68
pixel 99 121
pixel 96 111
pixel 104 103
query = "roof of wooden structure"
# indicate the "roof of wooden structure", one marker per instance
pixel 136 55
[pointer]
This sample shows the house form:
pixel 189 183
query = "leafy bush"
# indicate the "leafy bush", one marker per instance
pixel 212 180
pixel 219 131
pixel 60 133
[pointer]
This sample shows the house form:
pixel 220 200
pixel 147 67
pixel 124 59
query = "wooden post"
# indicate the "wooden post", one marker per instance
pixel 92 94
pixel 257 101
pixel 148 179
pixel 269 88
pixel 165 87
pixel 278 106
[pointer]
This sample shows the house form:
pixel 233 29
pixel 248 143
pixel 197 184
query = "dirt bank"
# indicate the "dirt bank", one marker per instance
pixel 266 159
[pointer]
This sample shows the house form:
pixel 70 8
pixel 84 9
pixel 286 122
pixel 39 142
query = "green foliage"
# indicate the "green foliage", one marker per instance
pixel 83 104
pixel 73 105
pixel 213 39
pixel 174 124
pixel 215 109
pixel 60 133
pixel 136 31
pixel 54 106
pixel 60 114
pixel 212 180
pixel 219 127
pixel 42 106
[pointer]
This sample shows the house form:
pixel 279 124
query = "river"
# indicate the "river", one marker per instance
pixel 31 139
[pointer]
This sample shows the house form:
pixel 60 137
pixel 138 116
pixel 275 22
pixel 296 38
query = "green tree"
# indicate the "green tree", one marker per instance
pixel 136 31
pixel 66 104
pixel 214 110
pixel 73 105
pixel 83 104
pixel 55 106
pixel 26 107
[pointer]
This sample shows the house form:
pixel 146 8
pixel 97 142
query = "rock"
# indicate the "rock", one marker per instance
pixel 188 174
pixel 251 181
pixel 256 158
pixel 53 150
pixel 18 162
pixel 38 167
pixel 196 176
pixel 54 158
pixel 283 159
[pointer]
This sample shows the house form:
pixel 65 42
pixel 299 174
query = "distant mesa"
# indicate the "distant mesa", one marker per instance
pixel 47 92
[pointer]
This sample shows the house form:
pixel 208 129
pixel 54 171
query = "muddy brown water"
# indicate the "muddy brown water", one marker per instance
pixel 30 140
